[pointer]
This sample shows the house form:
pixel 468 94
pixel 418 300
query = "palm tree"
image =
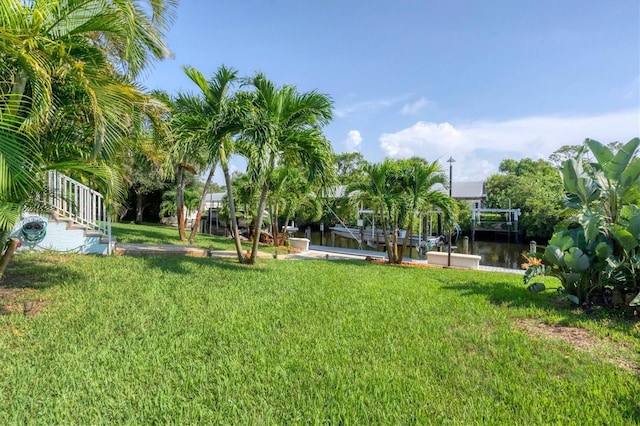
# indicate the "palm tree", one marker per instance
pixel 378 190
pixel 186 156
pixel 18 164
pixel 284 127
pixel 418 181
pixel 89 42
pixel 75 52
pixel 291 194
pixel 214 120
pixel 278 190
pixel 92 49
pixel 398 191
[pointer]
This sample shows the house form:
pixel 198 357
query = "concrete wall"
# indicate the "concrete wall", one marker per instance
pixel 468 261
pixel 60 236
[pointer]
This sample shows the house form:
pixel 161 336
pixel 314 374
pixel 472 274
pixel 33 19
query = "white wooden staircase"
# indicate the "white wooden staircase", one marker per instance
pixel 78 220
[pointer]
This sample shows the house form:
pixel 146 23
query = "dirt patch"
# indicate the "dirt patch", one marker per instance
pixel 581 339
pixel 408 264
pixel 15 282
pixel 16 298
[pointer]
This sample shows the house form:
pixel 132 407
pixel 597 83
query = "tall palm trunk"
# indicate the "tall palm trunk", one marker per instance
pixel 180 204
pixel 259 219
pixel 232 205
pixel 395 244
pixel 8 254
pixel 387 242
pixel 407 238
pixel 203 200
pixel 274 224
pixel 139 206
pixel 13 102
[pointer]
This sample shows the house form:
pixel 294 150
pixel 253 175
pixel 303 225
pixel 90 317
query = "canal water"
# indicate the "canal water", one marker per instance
pixel 492 253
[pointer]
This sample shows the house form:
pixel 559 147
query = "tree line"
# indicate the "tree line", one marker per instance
pixel 70 102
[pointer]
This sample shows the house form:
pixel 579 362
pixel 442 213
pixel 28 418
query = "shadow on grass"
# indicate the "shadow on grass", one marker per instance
pixel 37 272
pixel 502 293
pixel 508 294
pixel 178 264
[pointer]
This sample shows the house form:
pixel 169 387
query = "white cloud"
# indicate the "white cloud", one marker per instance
pixel 368 106
pixel 353 141
pixel 479 147
pixel 415 107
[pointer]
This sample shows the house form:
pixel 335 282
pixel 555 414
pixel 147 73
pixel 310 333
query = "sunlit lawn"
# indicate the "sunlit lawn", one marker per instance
pixel 197 341
pixel 164 234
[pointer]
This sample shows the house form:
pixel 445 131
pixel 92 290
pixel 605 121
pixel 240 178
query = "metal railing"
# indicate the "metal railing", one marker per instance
pixel 79 203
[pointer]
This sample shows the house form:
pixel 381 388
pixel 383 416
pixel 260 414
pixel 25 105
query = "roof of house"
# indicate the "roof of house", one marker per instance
pixel 215 197
pixel 467 190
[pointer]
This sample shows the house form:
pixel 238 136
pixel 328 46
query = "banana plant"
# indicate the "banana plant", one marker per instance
pixel 602 244
pixel 624 271
pixel 575 261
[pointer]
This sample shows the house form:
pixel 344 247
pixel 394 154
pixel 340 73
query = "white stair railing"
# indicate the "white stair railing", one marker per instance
pixel 79 203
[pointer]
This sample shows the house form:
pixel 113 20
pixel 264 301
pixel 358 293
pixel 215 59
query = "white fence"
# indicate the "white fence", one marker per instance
pixel 78 203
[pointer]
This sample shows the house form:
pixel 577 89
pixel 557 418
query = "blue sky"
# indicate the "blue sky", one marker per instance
pixel 477 80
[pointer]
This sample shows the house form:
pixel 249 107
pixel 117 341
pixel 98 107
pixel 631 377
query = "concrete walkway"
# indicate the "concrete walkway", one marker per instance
pixel 314 252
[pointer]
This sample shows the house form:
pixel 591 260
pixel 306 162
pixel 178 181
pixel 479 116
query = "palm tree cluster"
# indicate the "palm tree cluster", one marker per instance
pixel 400 192
pixel 68 97
pixel 277 129
pixel 289 161
pixel 70 102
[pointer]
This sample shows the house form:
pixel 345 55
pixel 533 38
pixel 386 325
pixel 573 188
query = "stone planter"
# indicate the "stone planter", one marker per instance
pixel 301 244
pixel 467 261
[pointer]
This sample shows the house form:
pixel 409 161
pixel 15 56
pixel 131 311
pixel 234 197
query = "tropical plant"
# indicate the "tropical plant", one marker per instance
pixel 191 202
pixel 245 196
pixel 601 245
pixel 535 187
pixel 58 54
pixel 292 196
pixel 400 192
pixel 279 191
pixel 379 192
pixel 97 46
pixel 213 118
pixel 418 183
pixel 18 178
pixel 284 127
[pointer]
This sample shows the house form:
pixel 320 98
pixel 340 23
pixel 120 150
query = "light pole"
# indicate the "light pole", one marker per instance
pixel 450 161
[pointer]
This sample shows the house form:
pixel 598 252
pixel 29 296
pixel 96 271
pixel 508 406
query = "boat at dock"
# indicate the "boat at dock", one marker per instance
pixel 290 229
pixel 374 238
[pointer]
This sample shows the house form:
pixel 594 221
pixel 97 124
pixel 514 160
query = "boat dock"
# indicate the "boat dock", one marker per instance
pixel 334 253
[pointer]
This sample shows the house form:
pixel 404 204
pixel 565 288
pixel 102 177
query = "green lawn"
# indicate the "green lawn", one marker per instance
pixel 198 341
pixel 163 234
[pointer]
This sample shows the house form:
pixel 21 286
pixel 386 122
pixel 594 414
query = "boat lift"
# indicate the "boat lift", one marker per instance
pixel 359 234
